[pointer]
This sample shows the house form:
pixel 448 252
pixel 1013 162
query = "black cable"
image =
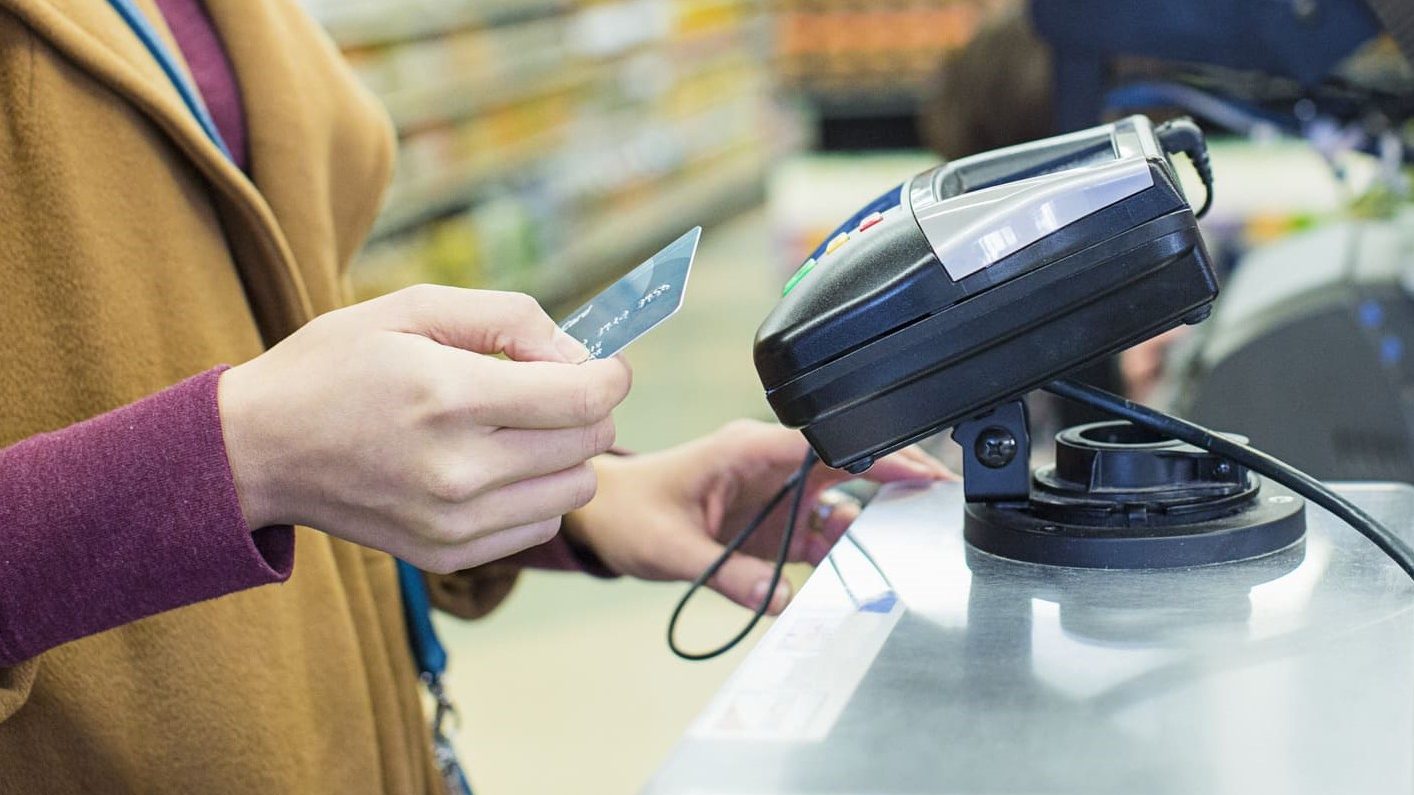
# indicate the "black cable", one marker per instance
pixel 1255 460
pixel 1183 135
pixel 874 564
pixel 869 558
pixel 796 482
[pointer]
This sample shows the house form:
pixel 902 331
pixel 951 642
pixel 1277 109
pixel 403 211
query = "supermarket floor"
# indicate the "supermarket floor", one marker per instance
pixel 569 686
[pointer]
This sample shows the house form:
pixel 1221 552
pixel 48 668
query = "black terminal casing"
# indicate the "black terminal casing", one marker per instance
pixel 879 345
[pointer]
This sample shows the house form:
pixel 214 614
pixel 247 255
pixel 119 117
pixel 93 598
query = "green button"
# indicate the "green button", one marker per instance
pixel 800 274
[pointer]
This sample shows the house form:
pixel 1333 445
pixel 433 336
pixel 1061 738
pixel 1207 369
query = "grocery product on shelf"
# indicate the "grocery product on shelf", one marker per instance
pixel 544 145
pixel 870 57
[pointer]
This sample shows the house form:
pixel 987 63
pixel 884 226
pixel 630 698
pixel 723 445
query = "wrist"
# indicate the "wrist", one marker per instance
pixel 240 435
pixel 576 530
pixel 576 541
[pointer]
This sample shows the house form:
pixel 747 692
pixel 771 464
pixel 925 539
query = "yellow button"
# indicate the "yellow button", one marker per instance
pixel 839 240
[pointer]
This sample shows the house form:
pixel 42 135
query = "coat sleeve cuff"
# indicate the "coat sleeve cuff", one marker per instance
pixel 123 516
pixel 563 553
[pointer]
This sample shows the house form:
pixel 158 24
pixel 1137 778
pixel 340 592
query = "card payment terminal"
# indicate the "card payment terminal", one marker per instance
pixel 983 279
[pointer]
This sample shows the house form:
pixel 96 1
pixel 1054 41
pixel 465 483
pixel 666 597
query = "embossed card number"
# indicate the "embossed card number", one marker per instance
pixel 637 303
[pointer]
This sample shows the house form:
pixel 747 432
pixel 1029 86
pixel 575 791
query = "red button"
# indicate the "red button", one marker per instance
pixel 872 220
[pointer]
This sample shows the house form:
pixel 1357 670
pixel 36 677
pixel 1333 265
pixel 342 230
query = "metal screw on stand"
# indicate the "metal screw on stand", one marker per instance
pixel 995 448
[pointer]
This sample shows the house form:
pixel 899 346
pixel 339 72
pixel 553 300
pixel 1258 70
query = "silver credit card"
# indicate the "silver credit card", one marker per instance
pixel 633 305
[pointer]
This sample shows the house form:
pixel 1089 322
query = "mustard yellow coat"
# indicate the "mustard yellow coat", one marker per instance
pixel 132 255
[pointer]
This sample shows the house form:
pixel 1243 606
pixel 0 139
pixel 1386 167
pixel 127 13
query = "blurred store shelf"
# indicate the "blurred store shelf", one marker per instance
pixel 849 59
pixel 359 23
pixel 543 146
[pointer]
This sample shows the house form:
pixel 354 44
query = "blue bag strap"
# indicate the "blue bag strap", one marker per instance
pixel 142 28
pixel 431 659
pixel 427 650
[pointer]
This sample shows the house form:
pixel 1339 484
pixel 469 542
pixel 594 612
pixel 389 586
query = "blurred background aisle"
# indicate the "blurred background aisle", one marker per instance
pixel 548 146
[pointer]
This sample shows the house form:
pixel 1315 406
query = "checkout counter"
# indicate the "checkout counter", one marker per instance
pixel 1159 612
pixel 941 669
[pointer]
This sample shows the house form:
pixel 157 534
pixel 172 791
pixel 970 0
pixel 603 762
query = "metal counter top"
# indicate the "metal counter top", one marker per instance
pixel 949 671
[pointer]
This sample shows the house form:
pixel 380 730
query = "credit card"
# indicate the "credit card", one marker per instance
pixel 637 303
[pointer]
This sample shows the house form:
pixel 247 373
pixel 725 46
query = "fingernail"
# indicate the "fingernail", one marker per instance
pixel 759 592
pixel 778 601
pixel 934 467
pixel 781 598
pixel 572 349
pixel 926 468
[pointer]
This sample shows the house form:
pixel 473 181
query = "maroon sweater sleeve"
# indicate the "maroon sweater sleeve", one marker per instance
pixel 123 516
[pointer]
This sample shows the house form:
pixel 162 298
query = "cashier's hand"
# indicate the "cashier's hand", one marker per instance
pixel 665 516
pixel 395 424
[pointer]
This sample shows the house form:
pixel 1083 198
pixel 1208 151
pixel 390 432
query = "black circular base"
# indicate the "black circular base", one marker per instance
pixel 1274 520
